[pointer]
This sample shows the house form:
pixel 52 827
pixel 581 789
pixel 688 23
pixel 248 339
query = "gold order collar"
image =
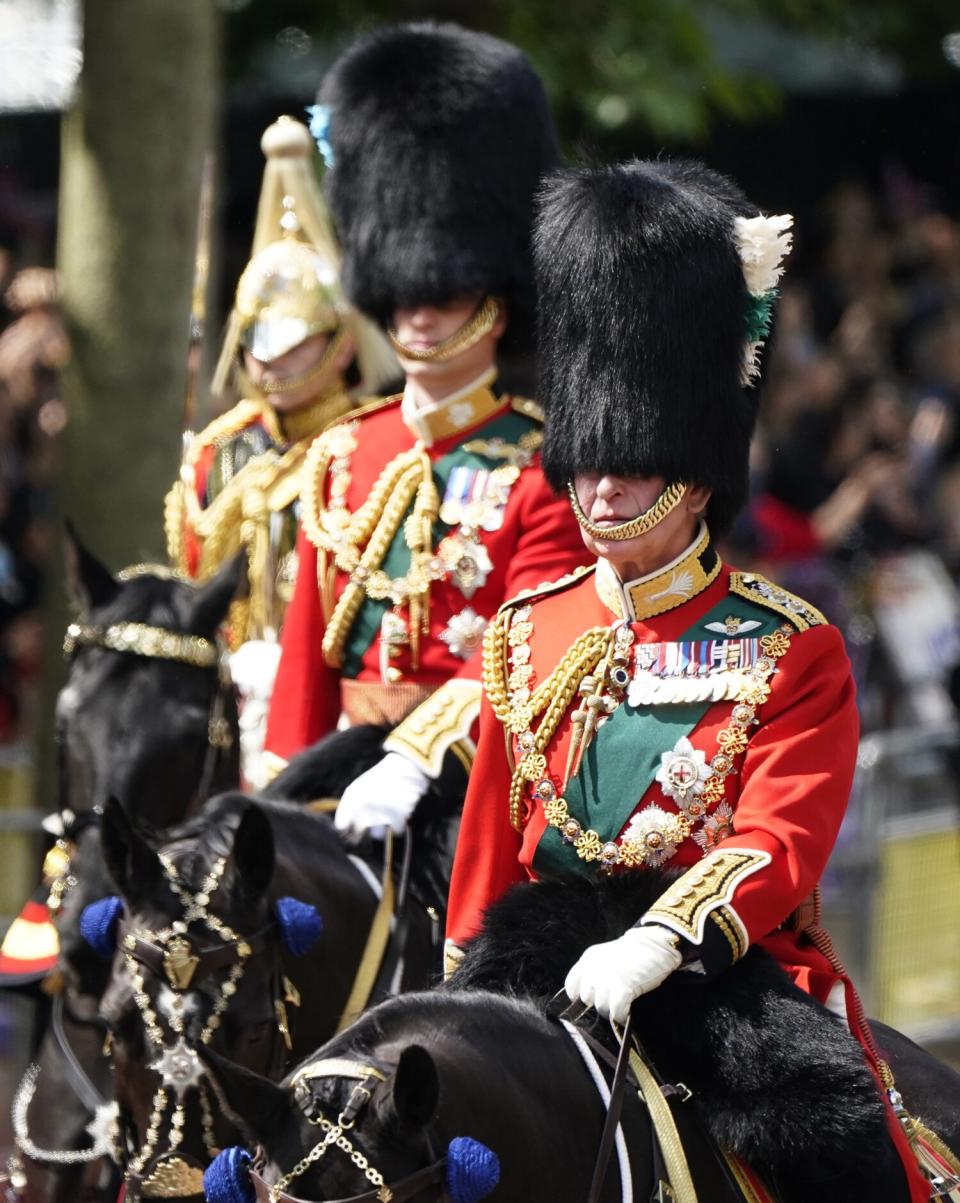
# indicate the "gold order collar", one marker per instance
pixel 307 421
pixel 668 501
pixel 677 582
pixel 469 334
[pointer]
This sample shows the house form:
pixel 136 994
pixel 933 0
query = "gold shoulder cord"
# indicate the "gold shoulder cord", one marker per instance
pixel 174 519
pixel 551 698
pixel 181 507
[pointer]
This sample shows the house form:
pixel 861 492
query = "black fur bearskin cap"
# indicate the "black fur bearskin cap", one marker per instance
pixel 440 137
pixel 641 328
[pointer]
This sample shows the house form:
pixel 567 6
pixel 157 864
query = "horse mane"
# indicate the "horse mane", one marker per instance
pixel 775 1077
pixel 210 832
pixel 431 1015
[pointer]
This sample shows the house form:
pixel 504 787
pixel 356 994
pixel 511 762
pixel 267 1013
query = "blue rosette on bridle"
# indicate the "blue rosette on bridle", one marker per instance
pixel 300 925
pixel 227 1178
pixel 98 924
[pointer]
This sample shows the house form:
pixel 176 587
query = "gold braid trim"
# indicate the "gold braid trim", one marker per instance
pixel 239 516
pixel 429 731
pixel 758 589
pixel 383 512
pixel 705 892
pixel 174 519
pixel 494 665
pixel 551 698
pixel 228 424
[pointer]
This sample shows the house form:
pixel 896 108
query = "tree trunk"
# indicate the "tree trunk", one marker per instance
pixel 132 155
pixel 133 150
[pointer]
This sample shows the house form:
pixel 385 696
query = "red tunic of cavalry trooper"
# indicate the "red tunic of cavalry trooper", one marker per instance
pixel 422 513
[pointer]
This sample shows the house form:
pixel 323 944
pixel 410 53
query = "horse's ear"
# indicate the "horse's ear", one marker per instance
pixel 253 852
pixel 209 603
pixel 89 582
pixel 258 1107
pixel 411 1097
pixel 131 862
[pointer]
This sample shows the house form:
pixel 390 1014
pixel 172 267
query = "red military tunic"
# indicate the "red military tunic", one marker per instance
pixel 240 484
pixel 773 787
pixel 375 666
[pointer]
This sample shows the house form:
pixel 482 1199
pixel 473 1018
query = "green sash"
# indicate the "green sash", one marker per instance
pixel 366 626
pixel 629 746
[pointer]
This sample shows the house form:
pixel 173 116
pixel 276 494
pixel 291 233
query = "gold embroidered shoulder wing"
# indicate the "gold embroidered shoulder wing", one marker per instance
pixel 758 589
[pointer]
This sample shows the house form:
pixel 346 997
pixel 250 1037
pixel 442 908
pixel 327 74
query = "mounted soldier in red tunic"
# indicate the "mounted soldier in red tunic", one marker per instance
pixel 663 708
pixel 299 357
pixel 424 512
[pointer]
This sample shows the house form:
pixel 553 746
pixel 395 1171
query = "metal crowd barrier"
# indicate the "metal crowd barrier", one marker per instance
pixel 892 888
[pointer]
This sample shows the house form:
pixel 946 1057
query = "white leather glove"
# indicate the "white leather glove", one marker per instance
pixel 253 667
pixel 608 977
pixel 384 796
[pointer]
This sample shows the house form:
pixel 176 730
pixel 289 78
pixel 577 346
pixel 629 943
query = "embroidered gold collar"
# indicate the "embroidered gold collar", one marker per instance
pixel 666 588
pixel 307 421
pixel 445 419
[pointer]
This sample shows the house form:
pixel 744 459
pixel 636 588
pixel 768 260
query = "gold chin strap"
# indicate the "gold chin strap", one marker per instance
pixel 291 383
pixel 668 501
pixel 461 340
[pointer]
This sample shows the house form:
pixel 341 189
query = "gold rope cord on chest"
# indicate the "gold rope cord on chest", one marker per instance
pixel 653 835
pixel 339 535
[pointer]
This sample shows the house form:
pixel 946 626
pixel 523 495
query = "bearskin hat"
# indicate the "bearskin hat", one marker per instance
pixel 644 320
pixel 436 139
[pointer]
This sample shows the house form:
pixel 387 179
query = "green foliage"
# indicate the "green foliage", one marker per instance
pixel 622 66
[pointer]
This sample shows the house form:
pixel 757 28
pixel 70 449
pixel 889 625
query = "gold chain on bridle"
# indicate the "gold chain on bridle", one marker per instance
pixel 173 939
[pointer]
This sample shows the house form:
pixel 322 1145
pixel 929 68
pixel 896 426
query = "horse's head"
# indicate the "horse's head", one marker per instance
pixel 147 714
pixel 196 963
pixel 348 1124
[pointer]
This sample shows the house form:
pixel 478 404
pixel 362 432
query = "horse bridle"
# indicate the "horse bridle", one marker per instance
pixel 170 955
pixel 161 643
pixel 367 1076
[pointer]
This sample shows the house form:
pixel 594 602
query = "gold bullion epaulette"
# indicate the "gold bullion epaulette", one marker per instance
pixel 529 409
pixel 525 596
pixel 224 427
pixel 758 589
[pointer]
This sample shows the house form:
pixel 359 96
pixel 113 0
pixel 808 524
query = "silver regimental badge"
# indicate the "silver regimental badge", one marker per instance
pixel 179 1067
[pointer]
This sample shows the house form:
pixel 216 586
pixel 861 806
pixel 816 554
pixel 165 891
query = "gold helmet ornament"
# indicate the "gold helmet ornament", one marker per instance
pixel 290 289
pixel 288 292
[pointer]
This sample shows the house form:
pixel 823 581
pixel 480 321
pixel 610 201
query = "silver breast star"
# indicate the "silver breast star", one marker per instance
pixel 179 1067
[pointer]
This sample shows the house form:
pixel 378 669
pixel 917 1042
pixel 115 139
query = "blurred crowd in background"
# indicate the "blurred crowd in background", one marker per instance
pixel 33 350
pixel 856 491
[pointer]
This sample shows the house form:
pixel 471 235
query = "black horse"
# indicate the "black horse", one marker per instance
pixel 160 733
pixel 771 1077
pixel 280 1004
pixel 146 715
